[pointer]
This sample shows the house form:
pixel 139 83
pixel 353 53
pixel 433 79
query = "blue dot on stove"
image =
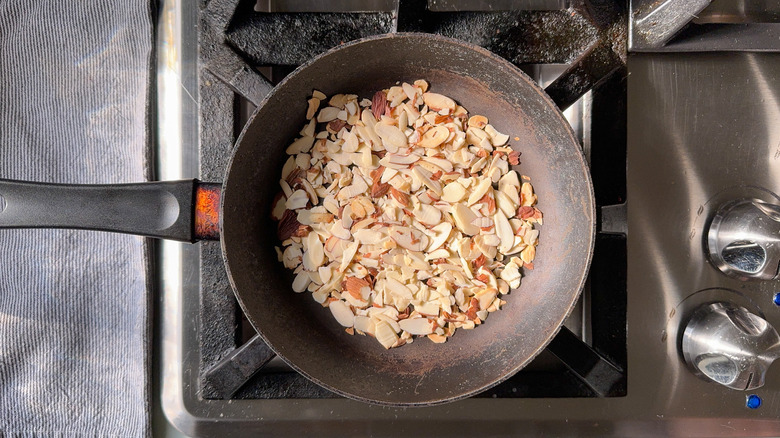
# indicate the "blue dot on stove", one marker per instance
pixel 753 401
pixel 776 299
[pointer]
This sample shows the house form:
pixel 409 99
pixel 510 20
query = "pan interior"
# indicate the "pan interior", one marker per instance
pixel 304 333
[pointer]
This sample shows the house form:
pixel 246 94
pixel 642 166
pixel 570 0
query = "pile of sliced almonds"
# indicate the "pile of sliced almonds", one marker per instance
pixel 401 214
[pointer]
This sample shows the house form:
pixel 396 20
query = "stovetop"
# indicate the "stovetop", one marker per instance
pixel 615 368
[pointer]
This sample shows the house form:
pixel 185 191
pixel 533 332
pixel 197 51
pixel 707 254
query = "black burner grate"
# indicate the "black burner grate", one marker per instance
pixel 243 53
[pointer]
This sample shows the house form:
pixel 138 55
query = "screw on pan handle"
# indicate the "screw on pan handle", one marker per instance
pixel 156 209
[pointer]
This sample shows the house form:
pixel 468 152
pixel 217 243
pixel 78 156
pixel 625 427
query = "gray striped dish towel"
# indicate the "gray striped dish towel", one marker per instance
pixel 74 305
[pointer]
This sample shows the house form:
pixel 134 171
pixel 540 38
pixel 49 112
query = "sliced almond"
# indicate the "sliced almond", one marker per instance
pixel 437 339
pixel 423 85
pixel 301 282
pixel 442 231
pixel 479 191
pixel 342 313
pixel 351 142
pixel 478 121
pixel 298 199
pixel 453 192
pixel 482 222
pixel 425 177
pixel 392 137
pixel 528 254
pixel 409 238
pixel 527 196
pixel 427 214
pixel 398 288
pixel 314 104
pixel 463 217
pixel 409 90
pixel 349 254
pixel 315 252
pixel 385 334
pixel 364 324
pixel 434 137
pixel 300 145
pixel 417 326
pixel 368 237
pixel 327 114
pixel 438 102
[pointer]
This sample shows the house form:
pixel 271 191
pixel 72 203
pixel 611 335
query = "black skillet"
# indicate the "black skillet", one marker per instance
pixel 300 330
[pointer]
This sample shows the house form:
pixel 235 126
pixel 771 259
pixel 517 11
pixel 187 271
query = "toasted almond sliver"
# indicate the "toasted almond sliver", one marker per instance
pixel 385 334
pixel 368 237
pixel 300 145
pixel 438 102
pixel 479 191
pixel 427 214
pixel 349 254
pixel 417 326
pixel 314 104
pixel 478 121
pixel 434 137
pixel 301 282
pixel 341 312
pixel 442 231
pixel 392 137
pixel 328 114
pixel 398 288
pixel 463 217
pixel 297 199
pixel 503 231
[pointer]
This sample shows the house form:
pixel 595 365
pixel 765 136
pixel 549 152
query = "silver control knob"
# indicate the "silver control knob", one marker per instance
pixel 744 239
pixel 729 345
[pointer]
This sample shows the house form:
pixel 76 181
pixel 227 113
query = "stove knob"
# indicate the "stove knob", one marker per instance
pixel 744 239
pixel 729 345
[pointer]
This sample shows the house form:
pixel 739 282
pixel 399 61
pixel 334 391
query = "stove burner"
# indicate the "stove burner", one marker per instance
pixel 237 44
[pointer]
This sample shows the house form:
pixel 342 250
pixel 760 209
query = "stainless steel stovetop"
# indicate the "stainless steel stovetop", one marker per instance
pixel 702 130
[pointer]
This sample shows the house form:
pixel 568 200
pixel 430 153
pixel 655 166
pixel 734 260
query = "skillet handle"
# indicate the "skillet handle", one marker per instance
pixel 164 209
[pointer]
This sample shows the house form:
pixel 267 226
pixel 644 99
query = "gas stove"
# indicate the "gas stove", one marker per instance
pixel 670 139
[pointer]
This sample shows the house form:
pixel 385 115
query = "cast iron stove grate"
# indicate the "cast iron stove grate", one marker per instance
pixel 242 53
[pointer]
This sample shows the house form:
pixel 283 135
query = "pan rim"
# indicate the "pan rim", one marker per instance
pixel 498 62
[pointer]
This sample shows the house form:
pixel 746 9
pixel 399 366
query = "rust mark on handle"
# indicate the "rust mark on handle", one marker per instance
pixel 207 199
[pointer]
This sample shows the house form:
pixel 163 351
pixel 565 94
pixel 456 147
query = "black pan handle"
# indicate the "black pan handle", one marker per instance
pixel 155 209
